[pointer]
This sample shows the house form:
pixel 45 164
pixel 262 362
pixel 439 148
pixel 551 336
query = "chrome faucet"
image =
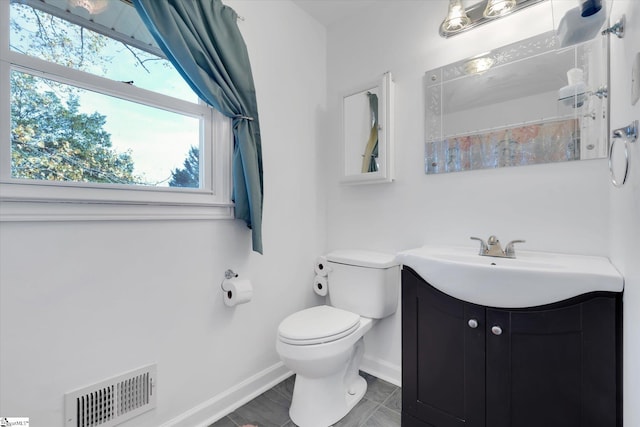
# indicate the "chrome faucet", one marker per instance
pixel 493 247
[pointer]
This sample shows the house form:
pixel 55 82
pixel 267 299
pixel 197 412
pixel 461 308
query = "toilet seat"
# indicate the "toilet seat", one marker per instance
pixel 317 325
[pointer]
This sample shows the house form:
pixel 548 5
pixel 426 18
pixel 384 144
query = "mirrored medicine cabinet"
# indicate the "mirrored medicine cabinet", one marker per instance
pixel 525 103
pixel 367 133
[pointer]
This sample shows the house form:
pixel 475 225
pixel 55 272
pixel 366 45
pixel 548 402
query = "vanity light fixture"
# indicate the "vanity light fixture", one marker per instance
pixel 460 19
pixel 457 18
pixel 498 8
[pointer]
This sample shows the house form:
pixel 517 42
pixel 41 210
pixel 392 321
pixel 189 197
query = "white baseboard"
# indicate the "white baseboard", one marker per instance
pixel 382 369
pixel 226 402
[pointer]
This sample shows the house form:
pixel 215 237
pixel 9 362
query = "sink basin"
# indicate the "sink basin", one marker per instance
pixel 531 279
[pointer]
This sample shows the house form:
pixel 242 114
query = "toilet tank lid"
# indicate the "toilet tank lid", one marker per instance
pixel 362 258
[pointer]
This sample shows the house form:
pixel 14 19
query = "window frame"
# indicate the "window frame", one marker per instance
pixel 22 199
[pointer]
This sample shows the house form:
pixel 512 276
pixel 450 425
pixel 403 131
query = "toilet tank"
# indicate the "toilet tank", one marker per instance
pixel 364 282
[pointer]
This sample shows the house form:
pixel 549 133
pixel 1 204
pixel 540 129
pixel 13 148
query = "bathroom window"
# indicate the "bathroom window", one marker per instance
pixel 91 112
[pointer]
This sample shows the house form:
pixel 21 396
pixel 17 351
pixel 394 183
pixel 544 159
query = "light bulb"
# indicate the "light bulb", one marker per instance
pixel 496 8
pixel 457 17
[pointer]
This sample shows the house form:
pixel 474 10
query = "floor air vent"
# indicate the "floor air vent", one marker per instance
pixel 113 401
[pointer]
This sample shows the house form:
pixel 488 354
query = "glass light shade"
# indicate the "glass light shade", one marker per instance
pixel 496 8
pixel 94 7
pixel 457 17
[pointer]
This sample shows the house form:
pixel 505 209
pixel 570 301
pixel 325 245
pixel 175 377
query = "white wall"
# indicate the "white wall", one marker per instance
pixel 625 203
pixel 555 207
pixel 84 301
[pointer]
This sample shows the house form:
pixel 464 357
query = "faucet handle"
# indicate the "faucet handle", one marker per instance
pixel 483 246
pixel 509 250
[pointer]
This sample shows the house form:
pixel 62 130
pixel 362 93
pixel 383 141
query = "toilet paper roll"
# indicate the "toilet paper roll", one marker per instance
pixel 321 267
pixel 320 285
pixel 237 291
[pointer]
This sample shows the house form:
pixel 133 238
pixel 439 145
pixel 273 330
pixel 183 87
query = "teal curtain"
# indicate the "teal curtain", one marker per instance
pixel 202 40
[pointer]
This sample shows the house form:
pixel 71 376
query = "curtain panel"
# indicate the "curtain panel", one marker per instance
pixel 202 40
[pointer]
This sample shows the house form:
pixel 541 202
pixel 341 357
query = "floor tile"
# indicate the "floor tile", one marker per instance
pixel 270 409
pixel 380 407
pixel 225 422
pixel 360 412
pixel 383 417
pixel 394 402
pixel 286 387
pixel 377 390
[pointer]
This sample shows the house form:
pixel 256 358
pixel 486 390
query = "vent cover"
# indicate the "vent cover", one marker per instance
pixel 112 401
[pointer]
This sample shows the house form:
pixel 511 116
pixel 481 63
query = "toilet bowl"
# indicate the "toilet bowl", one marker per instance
pixel 324 345
pixel 327 382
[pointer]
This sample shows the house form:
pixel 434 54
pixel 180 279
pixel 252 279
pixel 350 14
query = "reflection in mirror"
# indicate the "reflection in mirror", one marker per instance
pixel 526 103
pixel 361 130
pixel 367 133
pixel 370 158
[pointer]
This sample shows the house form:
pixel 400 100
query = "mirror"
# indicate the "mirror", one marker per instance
pixel 367 132
pixel 526 103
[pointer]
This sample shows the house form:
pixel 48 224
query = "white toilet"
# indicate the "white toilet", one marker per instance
pixel 324 345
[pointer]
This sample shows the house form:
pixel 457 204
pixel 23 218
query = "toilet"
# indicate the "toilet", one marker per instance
pixel 324 345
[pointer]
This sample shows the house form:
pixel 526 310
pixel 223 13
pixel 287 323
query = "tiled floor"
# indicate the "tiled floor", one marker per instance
pixel 380 407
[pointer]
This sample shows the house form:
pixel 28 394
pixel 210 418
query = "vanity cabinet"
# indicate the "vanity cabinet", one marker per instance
pixel 469 365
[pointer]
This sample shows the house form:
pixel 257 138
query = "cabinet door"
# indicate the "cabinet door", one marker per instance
pixel 553 367
pixel 442 357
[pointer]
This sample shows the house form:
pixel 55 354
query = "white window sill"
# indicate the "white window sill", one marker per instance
pixel 60 210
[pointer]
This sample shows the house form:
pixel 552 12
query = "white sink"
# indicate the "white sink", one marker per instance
pixel 531 279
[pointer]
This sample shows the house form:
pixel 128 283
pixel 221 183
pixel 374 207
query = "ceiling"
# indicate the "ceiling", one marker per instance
pixel 117 15
pixel 329 11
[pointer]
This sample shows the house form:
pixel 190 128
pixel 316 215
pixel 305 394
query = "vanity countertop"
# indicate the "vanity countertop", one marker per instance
pixel 532 279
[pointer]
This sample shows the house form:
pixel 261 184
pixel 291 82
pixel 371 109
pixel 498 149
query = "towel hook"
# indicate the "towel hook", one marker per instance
pixel 617 28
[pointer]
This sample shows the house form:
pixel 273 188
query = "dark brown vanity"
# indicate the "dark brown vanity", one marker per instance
pixel 553 365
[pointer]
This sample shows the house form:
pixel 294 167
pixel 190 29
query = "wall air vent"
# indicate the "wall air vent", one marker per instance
pixel 112 401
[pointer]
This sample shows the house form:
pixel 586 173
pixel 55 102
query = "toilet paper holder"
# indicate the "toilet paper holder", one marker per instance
pixel 235 291
pixel 228 274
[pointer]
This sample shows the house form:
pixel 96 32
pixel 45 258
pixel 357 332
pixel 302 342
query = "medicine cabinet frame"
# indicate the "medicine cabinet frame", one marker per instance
pixel 356 133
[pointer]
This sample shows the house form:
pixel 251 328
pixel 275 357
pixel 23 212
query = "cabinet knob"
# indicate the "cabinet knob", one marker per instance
pixel 473 323
pixel 497 330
